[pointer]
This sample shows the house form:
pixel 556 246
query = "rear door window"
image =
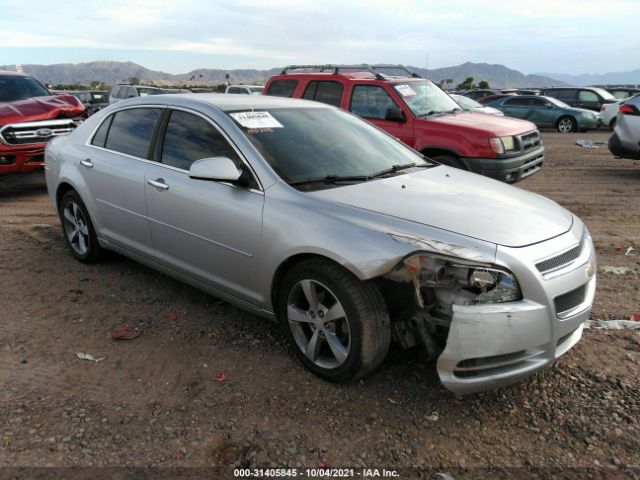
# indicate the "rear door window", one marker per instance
pixel 189 138
pixel 587 96
pixel 238 90
pixel 131 131
pixel 325 92
pixel 371 101
pixel 516 102
pixel 282 88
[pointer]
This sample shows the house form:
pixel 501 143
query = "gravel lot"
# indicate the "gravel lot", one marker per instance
pixel 157 400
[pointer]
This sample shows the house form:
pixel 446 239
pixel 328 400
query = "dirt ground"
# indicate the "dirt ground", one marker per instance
pixel 157 400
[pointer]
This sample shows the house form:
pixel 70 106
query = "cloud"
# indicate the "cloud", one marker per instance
pixel 530 36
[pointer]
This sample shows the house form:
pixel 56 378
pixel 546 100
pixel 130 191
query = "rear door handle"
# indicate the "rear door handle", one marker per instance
pixel 86 163
pixel 158 183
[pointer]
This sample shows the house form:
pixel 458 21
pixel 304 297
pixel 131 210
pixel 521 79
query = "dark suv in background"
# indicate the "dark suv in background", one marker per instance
pixel 591 98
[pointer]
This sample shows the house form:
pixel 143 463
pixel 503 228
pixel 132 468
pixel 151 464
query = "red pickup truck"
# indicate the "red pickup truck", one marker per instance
pixel 423 116
pixel 30 116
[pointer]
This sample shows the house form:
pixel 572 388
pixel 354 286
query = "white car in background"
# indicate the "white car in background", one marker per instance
pixel 473 106
pixel 245 89
pixel 609 112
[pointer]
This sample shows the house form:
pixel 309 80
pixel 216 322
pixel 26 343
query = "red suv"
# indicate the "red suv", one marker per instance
pixel 29 116
pixel 423 116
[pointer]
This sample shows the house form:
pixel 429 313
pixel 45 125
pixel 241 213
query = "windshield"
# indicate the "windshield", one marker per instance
pixel 604 94
pixel 256 90
pixel 13 88
pixel 425 98
pixel 466 102
pixel 557 103
pixel 305 144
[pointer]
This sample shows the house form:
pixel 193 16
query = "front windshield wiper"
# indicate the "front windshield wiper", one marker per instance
pixel 397 168
pixel 332 178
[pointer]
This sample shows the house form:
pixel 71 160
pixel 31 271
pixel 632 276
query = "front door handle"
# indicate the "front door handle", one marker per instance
pixel 86 163
pixel 158 183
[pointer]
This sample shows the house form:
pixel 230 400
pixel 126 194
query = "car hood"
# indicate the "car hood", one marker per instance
pixel 460 202
pixel 491 125
pixel 40 108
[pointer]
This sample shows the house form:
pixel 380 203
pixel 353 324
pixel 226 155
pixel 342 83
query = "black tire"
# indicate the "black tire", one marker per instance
pixel 612 123
pixel 365 313
pixel 566 124
pixel 93 251
pixel 450 161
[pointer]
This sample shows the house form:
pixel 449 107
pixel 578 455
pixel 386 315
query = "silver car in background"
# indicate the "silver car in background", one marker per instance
pixel 301 212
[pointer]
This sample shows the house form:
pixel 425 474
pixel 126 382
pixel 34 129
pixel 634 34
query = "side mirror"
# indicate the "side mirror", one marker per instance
pixel 395 115
pixel 215 168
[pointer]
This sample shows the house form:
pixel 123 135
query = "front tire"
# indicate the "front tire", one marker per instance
pixel 78 230
pixel 567 125
pixel 450 161
pixel 337 325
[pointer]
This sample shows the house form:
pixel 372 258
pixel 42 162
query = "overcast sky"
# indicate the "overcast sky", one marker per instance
pixel 559 36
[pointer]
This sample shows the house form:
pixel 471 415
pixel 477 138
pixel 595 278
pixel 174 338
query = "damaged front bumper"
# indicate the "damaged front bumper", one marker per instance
pixel 492 345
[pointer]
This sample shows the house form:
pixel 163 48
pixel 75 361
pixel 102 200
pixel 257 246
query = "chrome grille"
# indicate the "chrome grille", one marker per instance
pixel 570 300
pixel 565 258
pixel 530 140
pixel 28 133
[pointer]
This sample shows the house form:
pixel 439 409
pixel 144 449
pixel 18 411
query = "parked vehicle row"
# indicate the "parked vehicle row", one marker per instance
pixel 381 244
pixel 584 97
pixel 548 112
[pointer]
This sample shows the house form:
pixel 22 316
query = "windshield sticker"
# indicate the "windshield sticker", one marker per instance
pixel 256 120
pixel 405 90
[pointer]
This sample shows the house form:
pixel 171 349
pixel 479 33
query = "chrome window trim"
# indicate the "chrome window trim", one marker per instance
pixel 243 159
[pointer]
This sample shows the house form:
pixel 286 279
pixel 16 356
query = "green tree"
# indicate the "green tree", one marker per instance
pixel 483 84
pixel 466 85
pixel 134 80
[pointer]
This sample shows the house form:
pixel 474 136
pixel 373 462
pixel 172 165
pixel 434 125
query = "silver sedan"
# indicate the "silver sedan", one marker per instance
pixel 303 213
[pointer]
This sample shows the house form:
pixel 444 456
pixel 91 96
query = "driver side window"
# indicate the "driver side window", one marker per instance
pixel 370 101
pixel 189 138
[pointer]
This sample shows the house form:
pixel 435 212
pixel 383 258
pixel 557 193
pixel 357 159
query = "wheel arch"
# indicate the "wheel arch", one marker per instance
pixel 435 151
pixel 287 264
pixel 63 188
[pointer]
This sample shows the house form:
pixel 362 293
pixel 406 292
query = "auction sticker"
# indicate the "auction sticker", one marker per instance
pixel 405 90
pixel 256 120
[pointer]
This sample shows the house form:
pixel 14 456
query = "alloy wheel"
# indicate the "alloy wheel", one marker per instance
pixel 319 324
pixel 75 227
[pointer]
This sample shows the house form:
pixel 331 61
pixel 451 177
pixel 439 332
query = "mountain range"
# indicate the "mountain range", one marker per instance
pixel 110 72
pixel 612 78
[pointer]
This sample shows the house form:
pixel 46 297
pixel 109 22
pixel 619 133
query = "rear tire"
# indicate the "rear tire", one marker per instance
pixel 567 124
pixel 337 325
pixel 78 230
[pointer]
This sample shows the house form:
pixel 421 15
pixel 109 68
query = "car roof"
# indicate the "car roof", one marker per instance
pixel 348 76
pixel 224 102
pixel 8 73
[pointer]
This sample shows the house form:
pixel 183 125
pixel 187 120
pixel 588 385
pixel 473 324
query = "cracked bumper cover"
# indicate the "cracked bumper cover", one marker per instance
pixel 492 345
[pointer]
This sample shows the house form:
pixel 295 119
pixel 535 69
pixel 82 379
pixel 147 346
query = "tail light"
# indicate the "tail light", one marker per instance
pixel 629 110
pixel 602 107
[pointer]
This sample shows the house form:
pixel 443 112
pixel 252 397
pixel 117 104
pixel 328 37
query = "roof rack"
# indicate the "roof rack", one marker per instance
pixel 362 67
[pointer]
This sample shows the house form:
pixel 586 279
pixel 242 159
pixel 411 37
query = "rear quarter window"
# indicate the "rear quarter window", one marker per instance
pixel 282 88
